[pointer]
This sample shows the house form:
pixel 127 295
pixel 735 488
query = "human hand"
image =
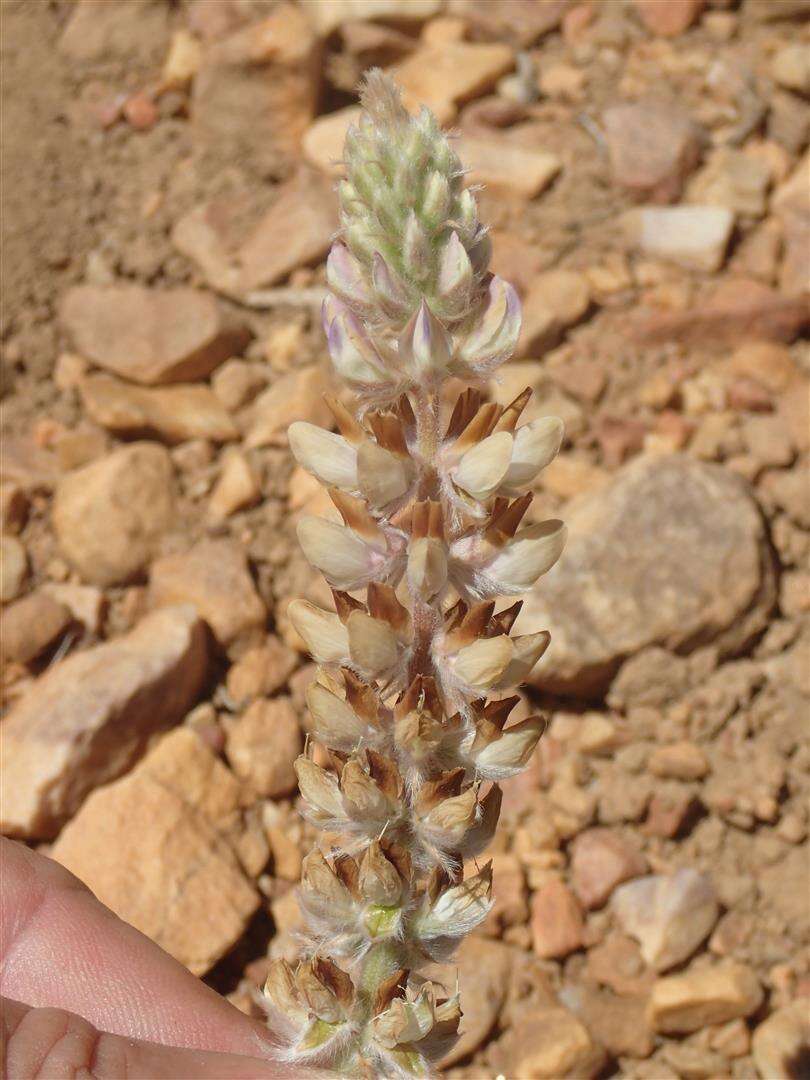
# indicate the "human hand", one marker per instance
pixel 101 1000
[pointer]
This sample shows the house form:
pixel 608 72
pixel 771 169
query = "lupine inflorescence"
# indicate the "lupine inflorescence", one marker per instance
pixel 432 502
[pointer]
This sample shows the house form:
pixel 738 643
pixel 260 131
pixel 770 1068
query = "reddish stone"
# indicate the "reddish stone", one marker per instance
pixel 668 18
pixel 140 112
pixel 600 861
pixel 556 921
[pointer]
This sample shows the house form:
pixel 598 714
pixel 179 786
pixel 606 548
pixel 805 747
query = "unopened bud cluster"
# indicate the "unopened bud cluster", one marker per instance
pixel 432 506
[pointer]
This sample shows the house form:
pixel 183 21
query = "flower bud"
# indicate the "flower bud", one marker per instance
pixel 427 567
pixel 532 552
pixel 327 456
pixel 496 330
pixel 345 277
pixel 526 651
pixel 373 646
pixel 389 292
pixel 509 751
pixel 334 722
pixel 326 989
pixel 346 561
pixel 382 477
pixel 320 791
pixel 379 880
pixel 324 635
pixel 355 358
pixel 480 665
pixel 364 799
pixel 415 249
pixel 322 891
pixel 448 822
pixel 281 990
pixel 535 445
pixel 437 200
pixel 455 912
pixel 405 1021
pixel 424 347
pixel 483 468
pixel 455 272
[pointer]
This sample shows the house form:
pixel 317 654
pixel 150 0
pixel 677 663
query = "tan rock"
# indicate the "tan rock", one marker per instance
pixel 553 1044
pixel 148 847
pixel 174 413
pixel 13 568
pixel 236 488
pixel 324 138
pixel 260 671
pixel 95 712
pixel 520 23
pixel 652 147
pixel 85 602
pixel 298 395
pixel 767 363
pixel 704 996
pixel 671 18
pixel 695 237
pixel 734 180
pixel 214 577
pixel 670 915
pixel 681 526
pixel 236 382
pixel 443 77
pixel 556 921
pixel 617 1023
pixel 150 336
pixel 296 231
pixel 328 17
pixel 109 516
pixel 256 91
pixel 262 745
pixel 568 476
pixel 601 860
pixel 31 625
pixel 505 167
pixel 738 310
pixel 182 61
pixel 617 963
pixel 781 1042
pixel 555 301
pixel 791 68
pixel 678 761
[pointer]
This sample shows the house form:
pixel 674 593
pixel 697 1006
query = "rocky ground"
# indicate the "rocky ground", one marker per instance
pixel 167 207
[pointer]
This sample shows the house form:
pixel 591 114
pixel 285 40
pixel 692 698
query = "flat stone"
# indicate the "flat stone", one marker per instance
pixel 260 671
pixel 85 603
pixel 781 1043
pixel 678 761
pixel 262 745
pixel 324 138
pixel 739 310
pixel 110 516
pixel 443 77
pixel 672 552
pixel 601 860
pixel 555 301
pixel 296 231
pixel 520 23
pixel 556 921
pixel 297 395
pixel 669 19
pixel 503 166
pixel 695 237
pixel 214 577
pixel 256 91
pixel 702 997
pixel 150 336
pixel 669 915
pixel 236 488
pixel 89 717
pixel 552 1044
pixel 13 568
pixel 328 17
pixel 149 847
pixel 617 1023
pixel 172 413
pixel 31 625
pixel 652 148
pixel 734 180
